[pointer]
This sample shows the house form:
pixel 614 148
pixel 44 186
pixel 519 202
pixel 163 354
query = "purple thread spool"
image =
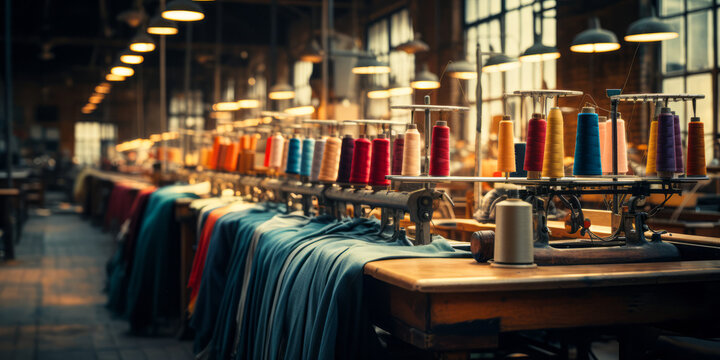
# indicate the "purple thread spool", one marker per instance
pixel 346 156
pixel 666 144
pixel 679 168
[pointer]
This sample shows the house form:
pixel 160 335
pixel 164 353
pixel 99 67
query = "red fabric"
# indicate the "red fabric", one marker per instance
pixel 121 200
pixel 201 251
pixel 136 215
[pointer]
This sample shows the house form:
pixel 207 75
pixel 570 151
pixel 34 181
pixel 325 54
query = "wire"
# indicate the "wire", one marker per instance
pixel 630 68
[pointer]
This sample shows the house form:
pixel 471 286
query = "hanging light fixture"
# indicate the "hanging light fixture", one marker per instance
pixel 103 88
pixel 90 106
pixel 539 52
pixel 378 92
pixel 397 89
pixel 425 80
pixel 122 70
pixel 413 46
pixel 248 103
pixel 462 69
pixel 95 99
pixel 131 57
pixel 113 77
pixel 281 91
pixel 226 106
pixel 183 10
pixel 312 53
pixel 300 110
pixel 161 26
pixel 595 39
pixel 650 29
pixel 369 65
pixel 142 43
pixel 500 62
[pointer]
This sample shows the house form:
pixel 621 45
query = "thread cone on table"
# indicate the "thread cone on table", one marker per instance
pixel 411 152
pixel 506 146
pixel 294 156
pixel 553 166
pixel 317 159
pixel 602 129
pixel 607 155
pixel 514 234
pixel 380 161
pixel 440 150
pixel 587 144
pixel 650 165
pixel 535 147
pixel 679 168
pixel 330 160
pixel 665 159
pixel 360 170
pixel 696 165
pixel 347 149
pixel 397 158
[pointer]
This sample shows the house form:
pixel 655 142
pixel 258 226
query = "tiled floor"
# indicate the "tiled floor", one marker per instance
pixel 52 303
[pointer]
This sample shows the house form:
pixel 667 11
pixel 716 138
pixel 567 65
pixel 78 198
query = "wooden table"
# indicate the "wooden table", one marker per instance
pixel 459 305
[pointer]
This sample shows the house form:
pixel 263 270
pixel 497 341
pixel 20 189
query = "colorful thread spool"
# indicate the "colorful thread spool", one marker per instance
pixel 506 146
pixel 360 172
pixel 553 165
pixel 679 168
pixel 696 165
pixel 380 161
pixel 602 129
pixel 587 144
pixel 286 150
pixel 308 150
pixel 215 153
pixel 607 149
pixel 294 157
pixel 397 159
pixel 268 150
pixel 650 166
pixel 231 158
pixel 519 160
pixel 513 234
pixel 250 154
pixel 346 159
pixel 535 147
pixel 330 160
pixel 440 150
pixel 276 151
pixel 411 152
pixel 317 159
pixel 665 159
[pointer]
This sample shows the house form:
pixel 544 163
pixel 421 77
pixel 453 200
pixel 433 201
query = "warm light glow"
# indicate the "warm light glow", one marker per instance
pixel 96 99
pixel 539 57
pixel 249 103
pixel 281 95
pixel 378 94
pixel 90 106
pixel 370 70
pixel 226 106
pixel 142 47
pixel 300 110
pixel 86 111
pixel 103 88
pixel 425 85
pixel 183 15
pixel 267 120
pixel 595 48
pixel 170 135
pixel 113 77
pixel 501 67
pixel 122 71
pixel 400 91
pixel 155 137
pixel 651 37
pixel 464 75
pixel 313 58
pixel 159 30
pixel 131 59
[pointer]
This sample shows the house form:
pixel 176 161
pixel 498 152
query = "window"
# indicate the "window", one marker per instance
pixel 301 82
pixel 176 115
pixel 383 35
pixel 507 26
pixel 90 139
pixel 688 63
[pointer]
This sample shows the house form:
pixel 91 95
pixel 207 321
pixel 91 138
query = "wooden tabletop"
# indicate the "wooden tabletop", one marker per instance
pixel 466 275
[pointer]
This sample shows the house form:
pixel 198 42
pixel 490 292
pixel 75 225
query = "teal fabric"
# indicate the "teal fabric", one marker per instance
pixel 154 284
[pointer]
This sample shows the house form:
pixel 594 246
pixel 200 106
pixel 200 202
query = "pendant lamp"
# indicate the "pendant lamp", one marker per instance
pixel 462 69
pixel 113 77
pixel 500 62
pixel 248 103
pixel 413 46
pixel 183 10
pixel 595 39
pixel 397 89
pixel 650 29
pixel 226 106
pixel 300 110
pixel 378 92
pixel 131 57
pixel 161 26
pixel 122 70
pixel 369 65
pixel 425 80
pixel 281 91
pixel 103 88
pixel 539 52
pixel 142 43
pixel 312 53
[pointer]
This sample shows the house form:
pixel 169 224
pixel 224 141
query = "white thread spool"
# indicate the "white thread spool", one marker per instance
pixel 513 234
pixel 317 159
pixel 411 152
pixel 276 150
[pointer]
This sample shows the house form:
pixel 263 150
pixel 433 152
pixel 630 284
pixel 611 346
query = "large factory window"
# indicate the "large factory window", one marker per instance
pixel 90 139
pixel 688 63
pixel 508 27
pixel 301 81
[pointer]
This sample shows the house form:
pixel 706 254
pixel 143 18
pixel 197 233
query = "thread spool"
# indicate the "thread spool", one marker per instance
pixel 232 156
pixel 650 166
pixel 587 144
pixel 215 153
pixel 602 129
pixel 553 160
pixel 411 152
pixel 221 157
pixel 360 170
pixel 240 160
pixel 607 149
pixel 440 150
pixel 276 151
pixel 346 158
pixel 308 150
pixel 380 161
pixel 330 160
pixel 268 151
pixel 250 154
pixel 513 234
pixel 696 165
pixel 665 159
pixel 294 156
pixel 317 159
pixel 506 146
pixel 397 158
pixel 679 168
pixel 535 147
pixel 519 160
pixel 286 150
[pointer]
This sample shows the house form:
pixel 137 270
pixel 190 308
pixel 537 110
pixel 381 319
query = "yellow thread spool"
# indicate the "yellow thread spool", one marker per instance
pixel 553 166
pixel 650 168
pixel 506 146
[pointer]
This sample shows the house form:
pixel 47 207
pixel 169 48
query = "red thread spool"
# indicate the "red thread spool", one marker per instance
pixel 268 143
pixel 221 157
pixel 440 150
pixel 215 153
pixel 696 148
pixel 380 163
pixel 360 172
pixel 397 160
pixel 535 148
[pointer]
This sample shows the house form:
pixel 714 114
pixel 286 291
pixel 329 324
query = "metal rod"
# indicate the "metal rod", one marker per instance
pixel 614 150
pixel 322 114
pixel 428 137
pixel 163 101
pixel 477 188
pixel 139 100
pixel 188 102
pixel 8 92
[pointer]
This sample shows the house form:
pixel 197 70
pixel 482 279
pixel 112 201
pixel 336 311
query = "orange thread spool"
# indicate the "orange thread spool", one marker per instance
pixel 506 146
pixel 696 165
pixel 651 167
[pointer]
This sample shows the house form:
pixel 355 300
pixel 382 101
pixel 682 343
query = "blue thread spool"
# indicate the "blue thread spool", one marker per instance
pixel 294 154
pixel 587 144
pixel 519 160
pixel 308 148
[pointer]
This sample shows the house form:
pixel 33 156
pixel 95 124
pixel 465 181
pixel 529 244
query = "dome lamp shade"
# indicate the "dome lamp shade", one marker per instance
pixel 183 10
pixel 595 39
pixel 161 26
